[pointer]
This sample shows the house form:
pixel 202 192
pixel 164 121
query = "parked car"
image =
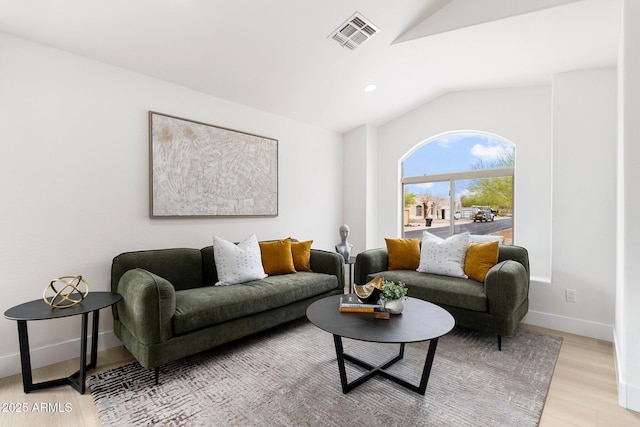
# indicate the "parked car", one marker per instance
pixel 483 216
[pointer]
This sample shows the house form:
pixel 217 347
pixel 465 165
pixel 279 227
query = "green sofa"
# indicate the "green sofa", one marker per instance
pixel 170 308
pixel 496 306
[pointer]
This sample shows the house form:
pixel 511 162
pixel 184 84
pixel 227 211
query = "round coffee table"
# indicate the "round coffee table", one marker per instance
pixel 419 321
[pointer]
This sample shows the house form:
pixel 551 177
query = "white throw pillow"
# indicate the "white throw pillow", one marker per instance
pixel 237 263
pixel 485 238
pixel 444 257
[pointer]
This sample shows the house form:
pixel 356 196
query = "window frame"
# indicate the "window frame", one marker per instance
pixel 451 178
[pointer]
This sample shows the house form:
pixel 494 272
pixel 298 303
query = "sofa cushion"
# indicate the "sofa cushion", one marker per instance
pixel 404 254
pixel 480 258
pixel 209 305
pixel 301 252
pixel 237 263
pixel 445 290
pixel 277 257
pixel 444 257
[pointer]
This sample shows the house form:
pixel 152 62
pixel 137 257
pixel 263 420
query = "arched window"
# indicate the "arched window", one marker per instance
pixel 466 180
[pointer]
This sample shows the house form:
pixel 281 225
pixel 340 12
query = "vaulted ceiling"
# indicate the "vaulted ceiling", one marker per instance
pixel 278 56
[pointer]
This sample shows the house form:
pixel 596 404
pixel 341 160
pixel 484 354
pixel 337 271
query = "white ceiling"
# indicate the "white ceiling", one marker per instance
pixel 275 55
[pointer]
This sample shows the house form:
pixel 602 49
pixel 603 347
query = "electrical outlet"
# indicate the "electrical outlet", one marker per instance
pixel 570 295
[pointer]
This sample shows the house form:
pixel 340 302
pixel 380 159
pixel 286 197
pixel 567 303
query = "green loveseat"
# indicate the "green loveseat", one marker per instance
pixel 496 306
pixel 171 309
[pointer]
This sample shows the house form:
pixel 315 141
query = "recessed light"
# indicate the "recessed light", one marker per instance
pixel 369 88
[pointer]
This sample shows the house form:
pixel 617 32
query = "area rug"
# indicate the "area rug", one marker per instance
pixel 289 376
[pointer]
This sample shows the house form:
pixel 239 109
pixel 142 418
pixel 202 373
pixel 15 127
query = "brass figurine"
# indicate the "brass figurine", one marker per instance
pixel 369 293
pixel 60 299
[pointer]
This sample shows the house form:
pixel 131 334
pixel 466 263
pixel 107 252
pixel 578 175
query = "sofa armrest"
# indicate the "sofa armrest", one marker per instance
pixel 369 262
pixel 328 263
pixel 506 287
pixel 147 306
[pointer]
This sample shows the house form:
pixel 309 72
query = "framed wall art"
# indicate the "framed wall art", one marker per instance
pixel 198 169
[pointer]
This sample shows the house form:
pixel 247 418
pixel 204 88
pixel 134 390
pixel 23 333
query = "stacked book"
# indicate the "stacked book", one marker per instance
pixel 351 304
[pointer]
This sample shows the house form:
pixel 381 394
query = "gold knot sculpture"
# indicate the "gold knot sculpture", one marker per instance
pixel 68 295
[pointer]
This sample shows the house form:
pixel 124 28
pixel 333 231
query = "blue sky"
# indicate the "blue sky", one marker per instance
pixel 452 153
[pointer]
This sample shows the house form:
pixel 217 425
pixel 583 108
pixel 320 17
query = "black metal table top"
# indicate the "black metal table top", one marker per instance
pixel 420 321
pixel 40 310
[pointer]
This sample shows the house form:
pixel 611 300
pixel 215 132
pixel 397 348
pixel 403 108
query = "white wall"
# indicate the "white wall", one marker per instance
pixel 355 187
pixel 584 200
pixel 565 170
pixel 627 322
pixel 360 196
pixel 74 181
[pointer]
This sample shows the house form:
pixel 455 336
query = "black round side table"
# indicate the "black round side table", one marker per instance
pixel 39 310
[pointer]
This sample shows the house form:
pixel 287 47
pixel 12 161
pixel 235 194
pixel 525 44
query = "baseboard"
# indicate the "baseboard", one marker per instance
pixel 48 355
pixel 628 396
pixel 622 395
pixel 633 398
pixel 585 328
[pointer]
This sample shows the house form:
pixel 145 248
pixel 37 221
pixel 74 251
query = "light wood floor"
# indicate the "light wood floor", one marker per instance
pixel 582 391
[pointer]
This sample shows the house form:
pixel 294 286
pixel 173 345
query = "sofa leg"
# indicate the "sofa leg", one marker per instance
pixel 157 374
pixel 499 344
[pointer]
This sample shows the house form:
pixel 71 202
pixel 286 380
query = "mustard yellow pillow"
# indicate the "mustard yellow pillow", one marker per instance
pixel 301 252
pixel 404 254
pixel 479 260
pixel 277 257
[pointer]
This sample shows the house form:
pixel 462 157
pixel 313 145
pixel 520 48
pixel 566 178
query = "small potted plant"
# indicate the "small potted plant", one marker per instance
pixel 393 294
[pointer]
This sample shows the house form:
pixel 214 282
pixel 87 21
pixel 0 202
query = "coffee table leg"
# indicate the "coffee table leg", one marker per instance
pixel 428 363
pixel 337 340
pixel 373 370
pixel 380 370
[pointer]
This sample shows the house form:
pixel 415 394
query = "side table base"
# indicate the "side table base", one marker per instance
pixel 77 380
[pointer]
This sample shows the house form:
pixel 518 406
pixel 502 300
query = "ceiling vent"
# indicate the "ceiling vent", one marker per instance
pixel 355 31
